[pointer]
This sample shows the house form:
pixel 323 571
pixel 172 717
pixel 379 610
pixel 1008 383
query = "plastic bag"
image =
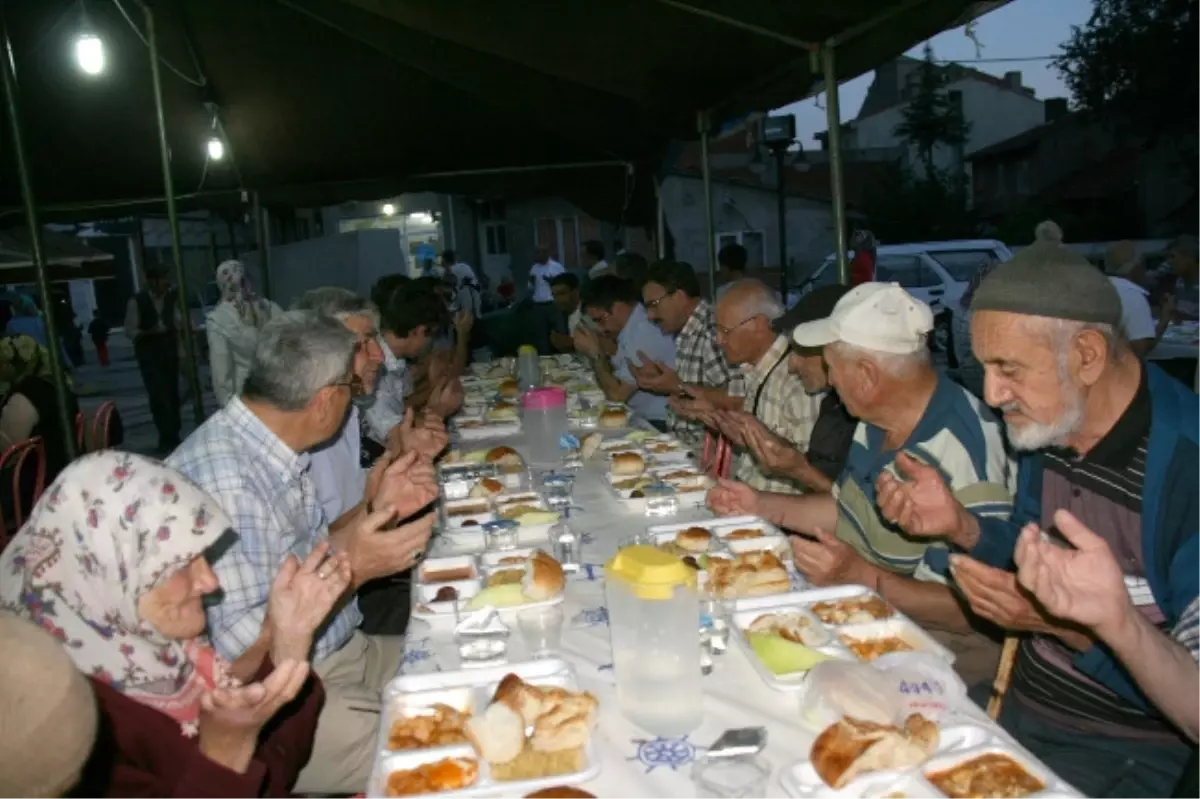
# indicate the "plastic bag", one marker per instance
pixel 885 692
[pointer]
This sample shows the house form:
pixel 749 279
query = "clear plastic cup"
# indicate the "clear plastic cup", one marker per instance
pixel 542 630
pixel 731 777
pixel 501 535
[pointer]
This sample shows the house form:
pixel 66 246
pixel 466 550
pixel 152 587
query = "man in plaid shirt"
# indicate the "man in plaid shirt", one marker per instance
pixel 672 300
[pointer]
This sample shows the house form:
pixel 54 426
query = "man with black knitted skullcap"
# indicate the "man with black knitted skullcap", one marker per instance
pixel 1112 451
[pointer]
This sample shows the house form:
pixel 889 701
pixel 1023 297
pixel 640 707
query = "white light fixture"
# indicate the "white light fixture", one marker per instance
pixel 89 53
pixel 389 209
pixel 421 217
pixel 216 149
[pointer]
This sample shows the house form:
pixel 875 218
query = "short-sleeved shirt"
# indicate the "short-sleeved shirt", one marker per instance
pixel 958 436
pixel 642 335
pixel 539 280
pixel 778 399
pixel 700 361
pixel 336 469
pixel 266 489
pixel 1136 320
pixel 829 445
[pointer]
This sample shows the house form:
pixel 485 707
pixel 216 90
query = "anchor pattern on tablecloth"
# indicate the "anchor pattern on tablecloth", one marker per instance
pixel 662 752
pixel 417 652
pixel 591 617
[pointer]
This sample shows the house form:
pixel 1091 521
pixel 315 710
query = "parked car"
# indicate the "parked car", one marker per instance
pixel 935 272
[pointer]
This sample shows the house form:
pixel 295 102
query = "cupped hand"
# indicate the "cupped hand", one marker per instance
pixel 446 398
pixel 408 484
pixel 921 504
pixel 231 718
pixel 827 560
pixel 375 551
pixel 301 598
pixel 731 498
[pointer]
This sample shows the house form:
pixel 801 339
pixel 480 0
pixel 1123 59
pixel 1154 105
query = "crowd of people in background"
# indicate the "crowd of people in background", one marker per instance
pixel 1046 490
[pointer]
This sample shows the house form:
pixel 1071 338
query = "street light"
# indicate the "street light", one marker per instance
pixel 216 149
pixel 389 209
pixel 89 53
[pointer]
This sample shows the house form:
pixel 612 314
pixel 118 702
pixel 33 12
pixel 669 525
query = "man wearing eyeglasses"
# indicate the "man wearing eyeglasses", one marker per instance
pixel 614 308
pixel 773 395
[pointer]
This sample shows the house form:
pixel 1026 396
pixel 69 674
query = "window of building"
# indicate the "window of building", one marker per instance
pixel 753 240
pixel 907 270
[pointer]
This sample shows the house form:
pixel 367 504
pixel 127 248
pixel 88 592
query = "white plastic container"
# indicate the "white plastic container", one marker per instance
pixel 529 368
pixel 654 617
pixel 545 421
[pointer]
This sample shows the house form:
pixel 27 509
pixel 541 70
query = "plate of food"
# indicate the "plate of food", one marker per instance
pixel 506 729
pixel 506 581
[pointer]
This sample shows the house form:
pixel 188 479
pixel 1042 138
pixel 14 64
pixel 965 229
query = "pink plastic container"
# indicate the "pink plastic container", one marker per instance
pixel 544 421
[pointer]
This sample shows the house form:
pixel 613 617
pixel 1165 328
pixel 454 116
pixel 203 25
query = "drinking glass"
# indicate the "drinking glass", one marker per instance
pixel 731 777
pixel 542 630
pixel 501 536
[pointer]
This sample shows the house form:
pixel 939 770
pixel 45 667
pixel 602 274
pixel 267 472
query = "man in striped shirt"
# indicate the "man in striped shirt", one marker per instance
pixel 1113 444
pixel 875 344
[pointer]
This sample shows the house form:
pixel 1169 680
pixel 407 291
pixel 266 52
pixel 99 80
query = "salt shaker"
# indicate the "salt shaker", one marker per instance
pixel 566 545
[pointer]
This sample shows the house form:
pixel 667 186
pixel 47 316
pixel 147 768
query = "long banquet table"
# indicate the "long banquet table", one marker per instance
pixel 632 762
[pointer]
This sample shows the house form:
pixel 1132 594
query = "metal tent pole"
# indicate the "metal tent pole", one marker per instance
pixel 193 370
pixel 262 232
pixel 660 231
pixel 703 123
pixel 781 212
pixel 9 70
pixel 833 119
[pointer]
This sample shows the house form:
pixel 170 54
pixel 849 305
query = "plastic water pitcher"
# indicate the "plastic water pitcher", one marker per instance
pixel 529 368
pixel 652 611
pixel 544 420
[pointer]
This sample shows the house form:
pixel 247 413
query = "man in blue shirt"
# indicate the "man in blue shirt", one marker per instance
pixel 613 306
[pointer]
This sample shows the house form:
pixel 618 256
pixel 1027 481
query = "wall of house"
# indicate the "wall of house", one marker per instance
pixel 995 114
pixel 352 261
pixel 743 208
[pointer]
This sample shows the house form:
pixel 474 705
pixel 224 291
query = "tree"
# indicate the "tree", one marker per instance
pixel 1133 65
pixel 932 118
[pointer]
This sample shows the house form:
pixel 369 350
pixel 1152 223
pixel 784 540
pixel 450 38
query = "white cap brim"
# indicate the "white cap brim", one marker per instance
pixel 817 333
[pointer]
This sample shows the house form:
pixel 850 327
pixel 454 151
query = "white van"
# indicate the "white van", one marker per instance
pixel 935 272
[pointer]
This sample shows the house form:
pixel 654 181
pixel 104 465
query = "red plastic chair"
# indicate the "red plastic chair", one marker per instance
pixel 100 426
pixel 17 458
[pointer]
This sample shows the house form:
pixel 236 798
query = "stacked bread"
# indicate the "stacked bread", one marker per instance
pixel 559 724
pixel 748 574
pixel 507 458
pixel 853 747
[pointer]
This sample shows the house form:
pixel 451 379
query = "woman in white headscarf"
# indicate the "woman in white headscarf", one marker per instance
pixel 114 563
pixel 233 329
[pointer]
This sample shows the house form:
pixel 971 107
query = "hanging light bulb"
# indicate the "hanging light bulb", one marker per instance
pixel 216 149
pixel 89 53
pixel 389 209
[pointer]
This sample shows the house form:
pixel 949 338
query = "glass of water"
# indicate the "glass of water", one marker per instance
pixel 542 630
pixel 557 488
pixel 661 499
pixel 501 535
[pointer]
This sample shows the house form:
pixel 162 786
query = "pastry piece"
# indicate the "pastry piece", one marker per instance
pixel 467 509
pixel 448 575
pixel 628 464
pixel 544 577
pixel 694 539
pixel 590 445
pixel 498 734
pixel 853 747
pixel 505 456
pixel 794 627
pixel 748 574
pixel 744 533
pixel 871 648
pixel 533 764
pixel 449 774
pixel 852 611
pixel 991 774
pixel 509 388
pixel 441 726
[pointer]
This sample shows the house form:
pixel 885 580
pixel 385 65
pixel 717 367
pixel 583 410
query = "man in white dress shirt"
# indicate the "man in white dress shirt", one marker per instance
pixel 1126 271
pixel 593 260
pixel 544 267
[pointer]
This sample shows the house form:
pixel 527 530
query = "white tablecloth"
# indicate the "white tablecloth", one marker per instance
pixel 1177 342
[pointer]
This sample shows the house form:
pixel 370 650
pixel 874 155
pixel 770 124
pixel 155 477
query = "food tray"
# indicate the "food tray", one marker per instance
pixel 958 742
pixel 527 534
pixel 426 608
pixel 487 430
pixel 685 499
pixel 468 691
pixel 898 625
pixel 721 526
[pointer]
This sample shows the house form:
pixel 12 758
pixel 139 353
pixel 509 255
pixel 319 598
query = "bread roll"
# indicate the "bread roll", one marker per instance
pixel 613 418
pixel 544 577
pixel 521 697
pixel 505 456
pixel 487 487
pixel 509 388
pixel 628 464
pixel 560 792
pixel 694 539
pixel 498 735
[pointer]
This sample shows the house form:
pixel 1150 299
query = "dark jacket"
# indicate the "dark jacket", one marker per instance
pixel 142 752
pixel 1170 520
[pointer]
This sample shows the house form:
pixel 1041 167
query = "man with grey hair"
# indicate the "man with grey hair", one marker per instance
pixel 337 463
pixel 1112 441
pixel 251 456
pixel 773 398
pixel 909 414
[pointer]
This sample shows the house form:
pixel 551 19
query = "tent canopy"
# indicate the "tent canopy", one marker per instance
pixel 328 100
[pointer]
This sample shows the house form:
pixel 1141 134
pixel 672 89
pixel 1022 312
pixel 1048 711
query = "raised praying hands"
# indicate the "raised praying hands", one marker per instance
pixel 231 718
pixel 655 376
pixel 586 342
pixel 919 503
pixel 1082 583
pixel 301 598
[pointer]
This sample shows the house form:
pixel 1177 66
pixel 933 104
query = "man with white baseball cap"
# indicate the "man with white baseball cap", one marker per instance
pixel 875 346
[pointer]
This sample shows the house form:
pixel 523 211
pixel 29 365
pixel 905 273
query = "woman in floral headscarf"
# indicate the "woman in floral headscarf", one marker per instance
pixel 114 562
pixel 233 329
pixel 29 401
